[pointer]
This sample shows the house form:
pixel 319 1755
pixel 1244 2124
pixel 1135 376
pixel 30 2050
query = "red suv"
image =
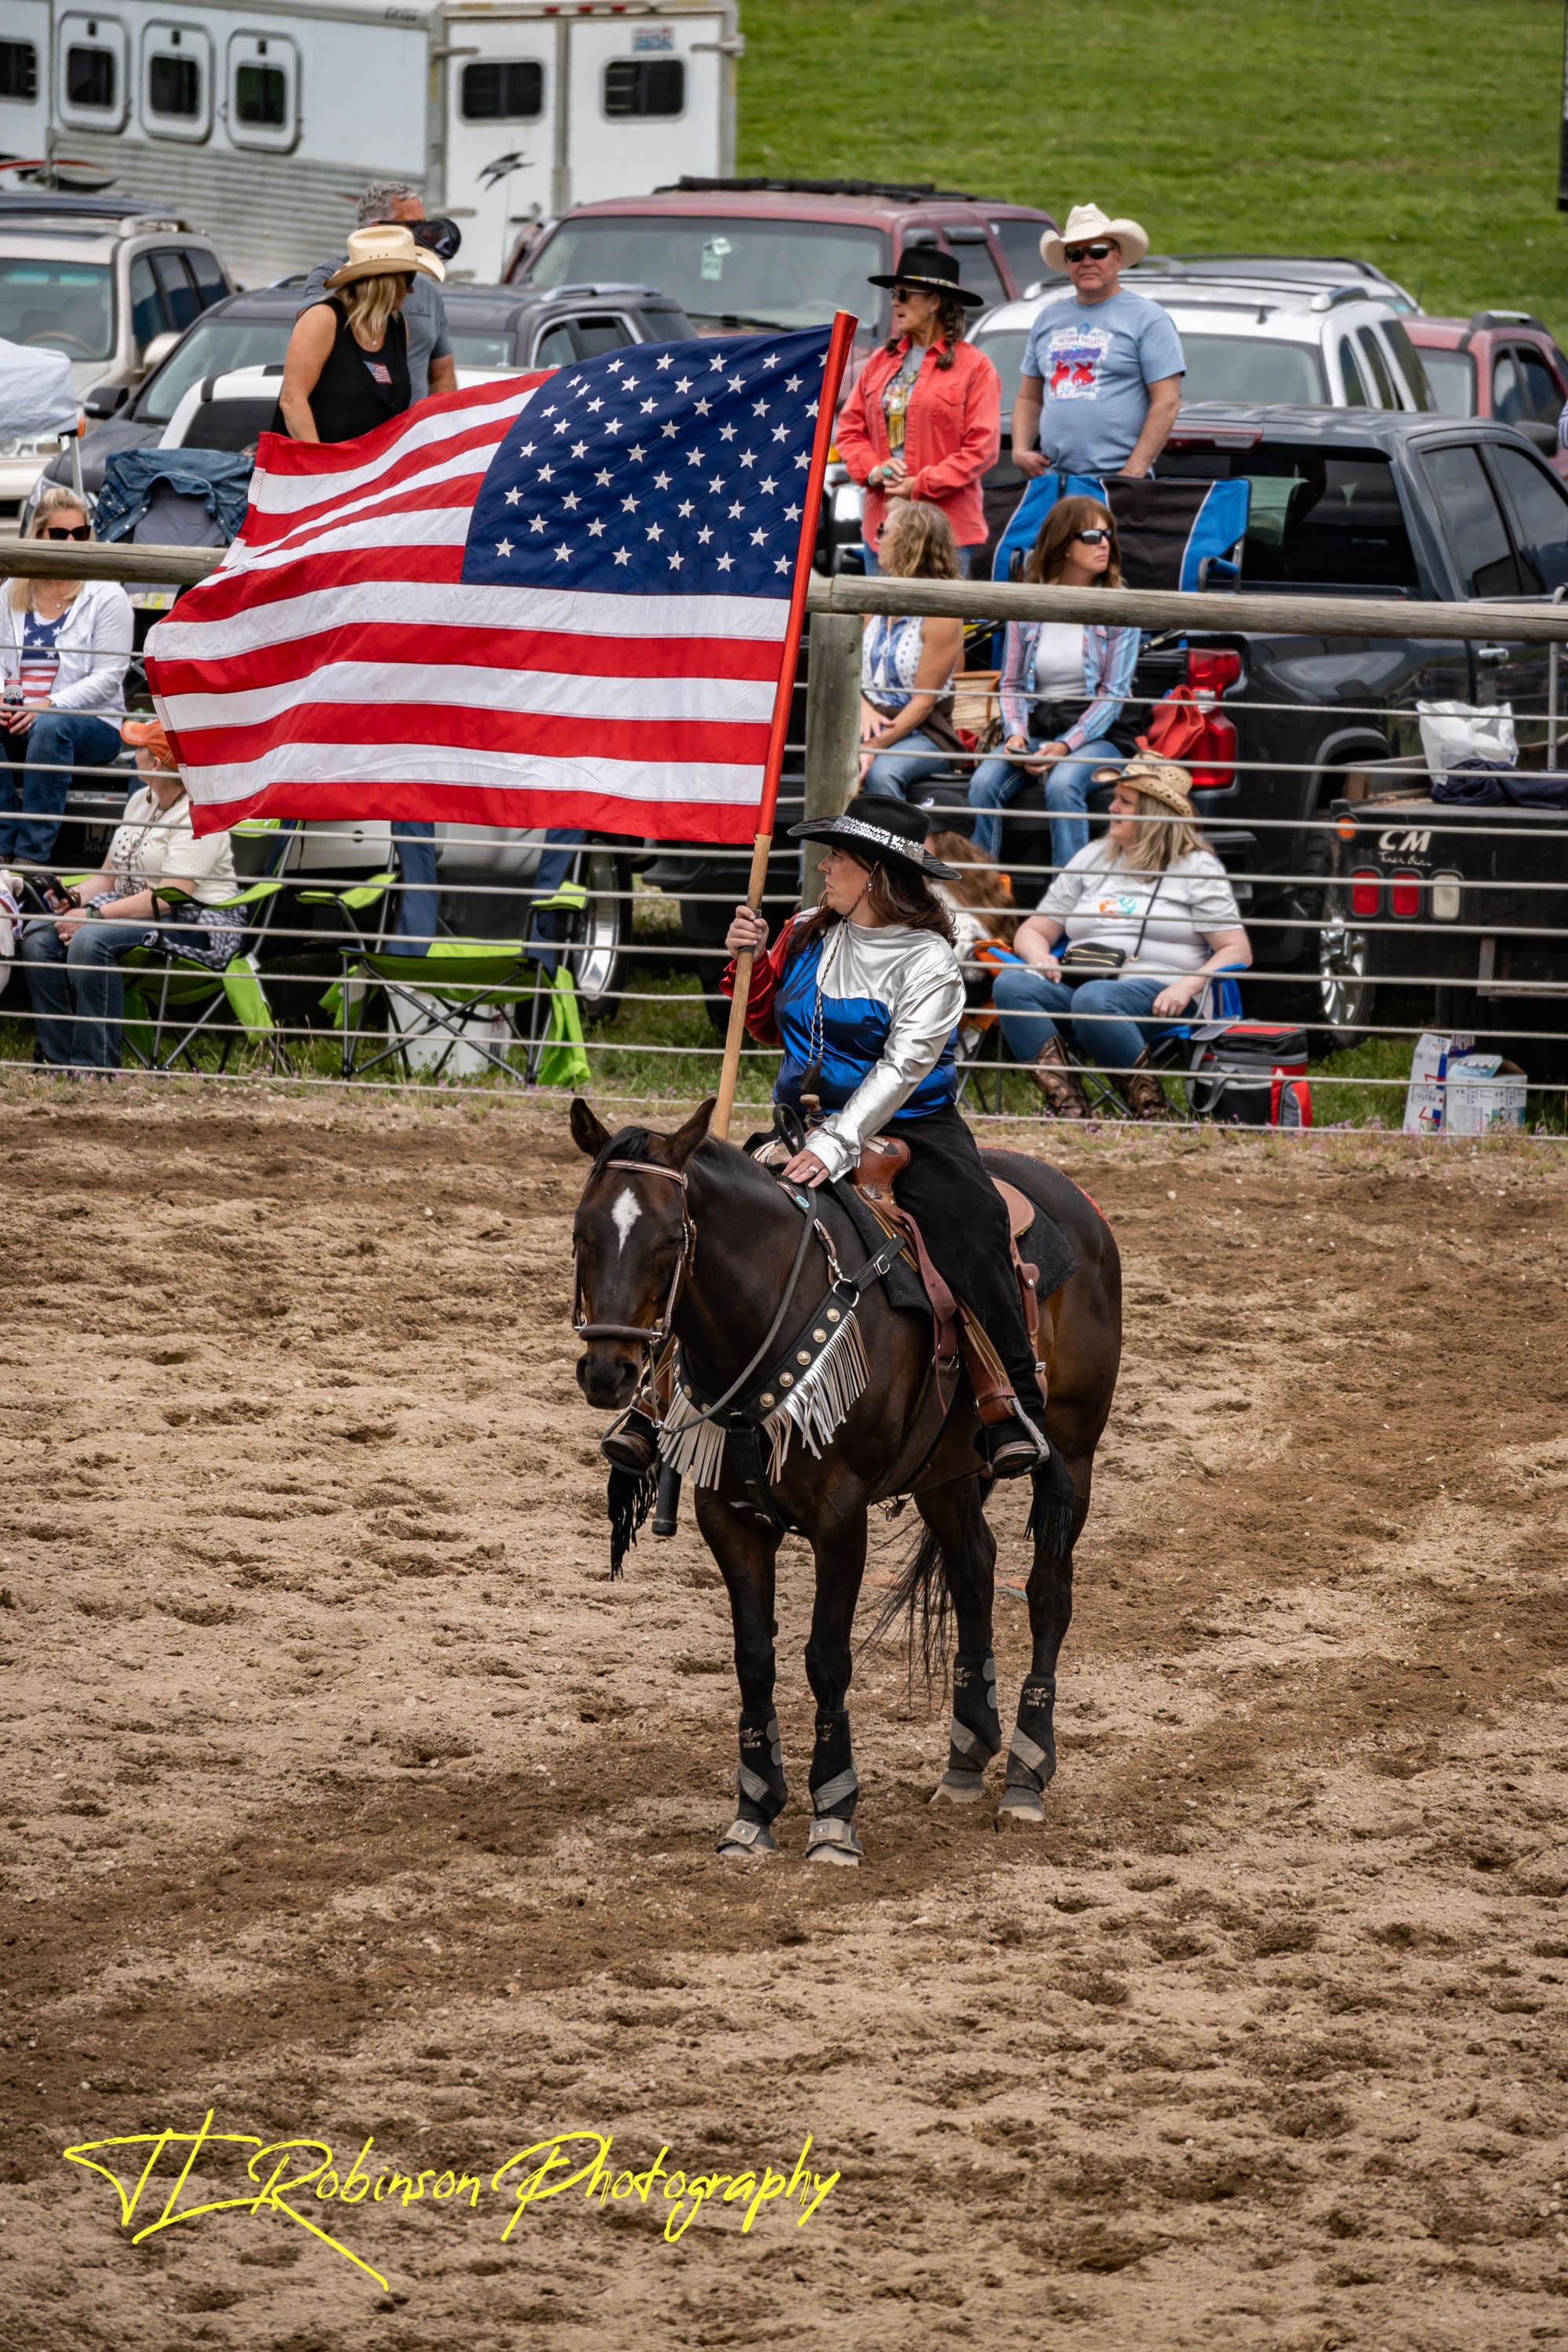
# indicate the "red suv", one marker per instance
pixel 1500 363
pixel 785 253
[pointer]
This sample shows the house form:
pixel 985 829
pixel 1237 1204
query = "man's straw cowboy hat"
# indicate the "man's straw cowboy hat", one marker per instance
pixel 1086 225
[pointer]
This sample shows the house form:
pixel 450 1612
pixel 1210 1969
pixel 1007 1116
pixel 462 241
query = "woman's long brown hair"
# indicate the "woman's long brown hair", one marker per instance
pixel 1061 526
pixel 899 894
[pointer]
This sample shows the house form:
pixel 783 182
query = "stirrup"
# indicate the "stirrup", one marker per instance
pixel 1015 1448
pixel 631 1444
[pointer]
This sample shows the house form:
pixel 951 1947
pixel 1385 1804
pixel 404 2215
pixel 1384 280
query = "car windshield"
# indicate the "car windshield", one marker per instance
pixel 1452 376
pixel 482 346
pixel 1318 519
pixel 1247 369
pixel 213 347
pixel 723 271
pixel 62 306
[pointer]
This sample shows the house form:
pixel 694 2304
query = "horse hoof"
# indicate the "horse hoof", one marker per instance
pixel 956 1787
pixel 747 1842
pixel 1021 1809
pixel 832 1839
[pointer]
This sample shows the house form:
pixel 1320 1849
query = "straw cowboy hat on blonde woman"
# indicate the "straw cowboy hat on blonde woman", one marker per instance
pixel 388 251
pixel 1086 225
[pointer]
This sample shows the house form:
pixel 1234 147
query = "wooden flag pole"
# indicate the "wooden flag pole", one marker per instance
pixel 839 349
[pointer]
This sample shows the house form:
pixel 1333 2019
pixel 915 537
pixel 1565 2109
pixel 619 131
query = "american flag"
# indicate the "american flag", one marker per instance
pixel 560 599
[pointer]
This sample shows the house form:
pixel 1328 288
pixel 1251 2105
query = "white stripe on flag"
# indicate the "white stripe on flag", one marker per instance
pixel 442 764
pixel 562 693
pixel 760 620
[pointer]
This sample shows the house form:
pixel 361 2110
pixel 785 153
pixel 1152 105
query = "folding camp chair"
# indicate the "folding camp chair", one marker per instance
pixel 1220 1001
pixel 437 990
pixel 168 992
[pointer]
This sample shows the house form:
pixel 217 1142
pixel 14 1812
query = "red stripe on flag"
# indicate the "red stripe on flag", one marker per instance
pixel 272 524
pixel 542 734
pixel 525 807
pixel 225 594
pixel 565 655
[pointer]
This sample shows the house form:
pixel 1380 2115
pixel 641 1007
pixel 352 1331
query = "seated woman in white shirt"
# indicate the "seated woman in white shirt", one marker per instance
pixel 1150 891
pixel 71 958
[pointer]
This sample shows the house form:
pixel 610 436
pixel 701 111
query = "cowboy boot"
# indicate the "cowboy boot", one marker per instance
pixel 1142 1092
pixel 1059 1082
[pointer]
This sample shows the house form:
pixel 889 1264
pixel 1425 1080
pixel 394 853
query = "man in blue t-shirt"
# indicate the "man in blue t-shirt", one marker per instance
pixel 1103 372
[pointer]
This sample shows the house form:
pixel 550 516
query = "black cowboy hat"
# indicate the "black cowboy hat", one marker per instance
pixel 878 831
pixel 927 265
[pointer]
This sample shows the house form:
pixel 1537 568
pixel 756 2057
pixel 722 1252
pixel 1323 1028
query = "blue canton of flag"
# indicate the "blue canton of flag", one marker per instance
pixel 669 469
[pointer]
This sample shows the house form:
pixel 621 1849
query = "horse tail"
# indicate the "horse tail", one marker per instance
pixel 922 1598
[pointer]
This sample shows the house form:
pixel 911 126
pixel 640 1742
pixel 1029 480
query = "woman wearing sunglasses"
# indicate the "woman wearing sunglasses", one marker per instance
pixel 1062 689
pixel 923 419
pixel 64 648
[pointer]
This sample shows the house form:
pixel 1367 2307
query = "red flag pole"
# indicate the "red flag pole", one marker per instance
pixel 838 350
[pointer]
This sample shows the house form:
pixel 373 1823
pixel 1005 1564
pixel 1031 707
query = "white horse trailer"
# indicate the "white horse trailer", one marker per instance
pixel 262 122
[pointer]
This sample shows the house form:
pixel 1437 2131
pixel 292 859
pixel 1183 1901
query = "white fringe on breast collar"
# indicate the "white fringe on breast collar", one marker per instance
pixel 808 1394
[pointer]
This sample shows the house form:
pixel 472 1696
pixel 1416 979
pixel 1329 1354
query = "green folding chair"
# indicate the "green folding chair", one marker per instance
pixel 169 995
pixel 433 997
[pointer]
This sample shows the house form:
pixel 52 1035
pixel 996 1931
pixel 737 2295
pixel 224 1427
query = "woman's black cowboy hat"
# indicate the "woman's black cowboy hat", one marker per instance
pixel 927 265
pixel 878 831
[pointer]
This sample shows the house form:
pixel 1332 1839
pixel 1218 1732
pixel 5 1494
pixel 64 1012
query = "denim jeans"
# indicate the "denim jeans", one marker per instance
pixel 44 756
pixel 998 781
pixel 78 993
pixel 1108 1018
pixel 554 865
pixel 966 556
pixel 915 759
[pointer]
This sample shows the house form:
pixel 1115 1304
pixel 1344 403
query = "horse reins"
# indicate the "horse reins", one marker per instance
pixel 653 1336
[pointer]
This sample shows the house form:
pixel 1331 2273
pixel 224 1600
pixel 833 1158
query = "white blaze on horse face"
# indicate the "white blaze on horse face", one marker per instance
pixel 624 1211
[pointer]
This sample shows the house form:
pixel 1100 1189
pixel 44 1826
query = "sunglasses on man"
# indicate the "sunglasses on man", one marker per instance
pixel 1089 252
pixel 59 530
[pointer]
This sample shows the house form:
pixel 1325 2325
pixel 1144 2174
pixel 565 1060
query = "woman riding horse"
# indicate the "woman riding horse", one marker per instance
pixel 865 995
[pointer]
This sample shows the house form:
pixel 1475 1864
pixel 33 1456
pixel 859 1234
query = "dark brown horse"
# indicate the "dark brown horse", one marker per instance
pixel 697 1235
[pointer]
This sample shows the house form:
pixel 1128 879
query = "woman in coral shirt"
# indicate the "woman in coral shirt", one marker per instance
pixel 924 418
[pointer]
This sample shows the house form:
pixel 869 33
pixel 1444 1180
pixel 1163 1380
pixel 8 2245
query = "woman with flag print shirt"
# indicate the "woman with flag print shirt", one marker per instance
pixel 346 367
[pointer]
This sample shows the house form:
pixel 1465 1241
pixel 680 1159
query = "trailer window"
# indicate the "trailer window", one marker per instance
pixel 645 86
pixel 90 78
pixel 173 85
pixel 19 70
pixel 503 90
pixel 261 97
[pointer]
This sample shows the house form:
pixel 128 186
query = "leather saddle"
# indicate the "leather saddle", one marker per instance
pixel 882 1158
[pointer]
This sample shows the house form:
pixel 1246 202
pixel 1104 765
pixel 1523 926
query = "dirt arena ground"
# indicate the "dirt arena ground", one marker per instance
pixel 348 1800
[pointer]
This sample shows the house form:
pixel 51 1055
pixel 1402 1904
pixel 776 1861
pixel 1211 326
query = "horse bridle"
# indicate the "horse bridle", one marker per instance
pixel 652 1335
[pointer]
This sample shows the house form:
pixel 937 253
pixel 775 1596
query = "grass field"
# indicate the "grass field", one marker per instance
pixel 1421 135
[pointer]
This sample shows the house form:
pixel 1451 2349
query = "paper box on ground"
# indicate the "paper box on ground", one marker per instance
pixel 1428 1069
pixel 1484 1095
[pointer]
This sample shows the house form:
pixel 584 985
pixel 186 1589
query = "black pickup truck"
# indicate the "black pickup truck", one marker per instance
pixel 1451 914
pixel 1352 502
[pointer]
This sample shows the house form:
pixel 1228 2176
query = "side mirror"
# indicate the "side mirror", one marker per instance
pixel 106 399
pixel 1542 436
pixel 158 350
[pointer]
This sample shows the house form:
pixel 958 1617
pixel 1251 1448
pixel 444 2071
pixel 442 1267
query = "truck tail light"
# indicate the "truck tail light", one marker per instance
pixel 1213 669
pixel 1211 762
pixel 1366 891
pixel 1446 897
pixel 1404 894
